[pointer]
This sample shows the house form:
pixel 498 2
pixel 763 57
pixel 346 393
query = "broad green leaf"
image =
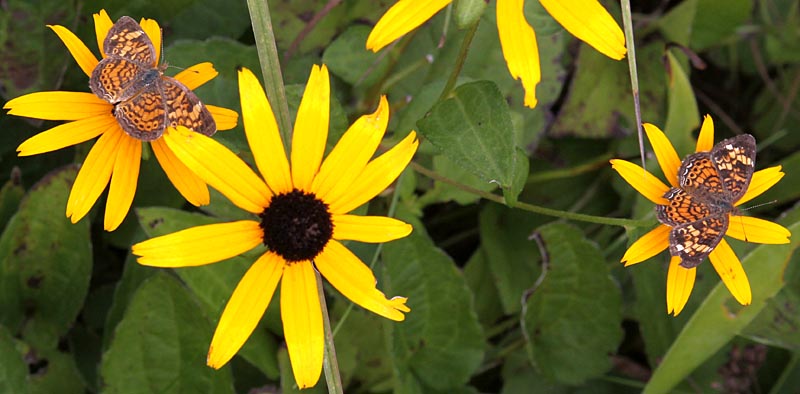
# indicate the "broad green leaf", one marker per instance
pixel 440 342
pixel 487 298
pixel 727 18
pixel 575 287
pixel 443 192
pixel 361 349
pixel 468 12
pixel 720 318
pixel 676 25
pixel 473 128
pixel 54 371
pixel 133 275
pixel 347 58
pixel 512 259
pixel 45 263
pixel 10 197
pixel 161 345
pixel 682 115
pixel 13 370
pixel 214 283
pixel 520 178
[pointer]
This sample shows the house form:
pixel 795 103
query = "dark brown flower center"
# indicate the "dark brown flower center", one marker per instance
pixel 296 225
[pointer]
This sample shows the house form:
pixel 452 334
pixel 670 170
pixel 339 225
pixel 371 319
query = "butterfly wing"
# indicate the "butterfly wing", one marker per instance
pixel 144 116
pixel 735 159
pixel 682 208
pixel 127 40
pixel 692 242
pixel 185 109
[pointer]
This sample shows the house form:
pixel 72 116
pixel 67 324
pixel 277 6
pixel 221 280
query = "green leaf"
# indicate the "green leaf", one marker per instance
pixel 676 25
pixel 468 12
pixel 361 349
pixel 13 370
pixel 45 263
pixel 520 178
pixel 720 318
pixel 682 115
pixel 133 275
pixel 575 287
pixel 440 342
pixel 161 345
pixel 728 17
pixel 442 192
pixel 10 197
pixel 487 298
pixel 348 59
pixel 56 373
pixel 473 128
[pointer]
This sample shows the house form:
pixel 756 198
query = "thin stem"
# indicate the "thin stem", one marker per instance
pixel 627 22
pixel 270 66
pixel 329 363
pixel 589 166
pixel 530 207
pixel 462 56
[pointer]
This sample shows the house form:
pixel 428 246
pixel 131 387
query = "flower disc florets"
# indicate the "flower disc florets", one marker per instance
pixel 296 225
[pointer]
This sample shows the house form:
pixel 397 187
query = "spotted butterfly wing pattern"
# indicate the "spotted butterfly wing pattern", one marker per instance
pixel 129 56
pixel 710 184
pixel 185 108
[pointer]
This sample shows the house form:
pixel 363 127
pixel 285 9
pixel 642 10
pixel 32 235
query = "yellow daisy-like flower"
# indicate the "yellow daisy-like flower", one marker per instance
pixel 680 280
pixel 302 205
pixel 116 156
pixel 585 19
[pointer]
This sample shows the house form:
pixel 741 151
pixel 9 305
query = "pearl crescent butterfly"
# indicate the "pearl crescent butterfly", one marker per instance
pixel 145 100
pixel 710 184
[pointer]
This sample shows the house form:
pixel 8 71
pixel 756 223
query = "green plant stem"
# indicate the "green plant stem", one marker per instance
pixel 530 207
pixel 462 56
pixel 591 165
pixel 270 66
pixel 329 362
pixel 627 22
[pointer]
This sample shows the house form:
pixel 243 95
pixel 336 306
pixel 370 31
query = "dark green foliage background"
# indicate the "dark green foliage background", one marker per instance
pixel 502 300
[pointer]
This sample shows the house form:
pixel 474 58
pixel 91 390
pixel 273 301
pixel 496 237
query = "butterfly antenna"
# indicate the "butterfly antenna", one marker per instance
pixel 741 223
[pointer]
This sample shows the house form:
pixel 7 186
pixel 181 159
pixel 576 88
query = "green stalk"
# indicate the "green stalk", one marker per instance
pixel 329 363
pixel 462 56
pixel 627 22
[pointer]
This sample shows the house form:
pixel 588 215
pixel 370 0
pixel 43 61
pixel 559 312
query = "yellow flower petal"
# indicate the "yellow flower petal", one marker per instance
pixel 262 134
pixel 219 167
pixel 302 322
pixel 351 154
pixel 58 106
pixel 760 231
pixel 123 182
pixel 644 182
pixel 311 128
pixel 94 174
pixel 67 134
pixel 731 272
pixel 153 31
pixel 377 175
pixel 225 119
pixel 518 42
pixel 200 245
pixel 197 75
pixel 761 181
pixel 368 228
pixel 668 159
pixel 705 141
pixel 245 308
pixel 355 281
pixel 102 24
pixel 649 245
pixel 591 23
pixel 680 282
pixel 86 60
pixel 191 187
pixel 401 18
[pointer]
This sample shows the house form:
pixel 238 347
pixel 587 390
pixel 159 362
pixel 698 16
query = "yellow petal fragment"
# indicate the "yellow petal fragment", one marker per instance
pixel 351 154
pixel 302 322
pixel 649 245
pixel 401 18
pixel 220 168
pixel 668 159
pixel 200 245
pixel 591 23
pixel 123 182
pixel 67 134
pixel 225 119
pixel 83 56
pixel 197 75
pixel 372 229
pixel 518 42
pixel 680 282
pixel 151 28
pixel 245 308
pixel 355 281
pixel 644 182
pixel 94 174
pixel 377 175
pixel 760 231
pixel 262 134
pixel 59 106
pixel 731 272
pixel 191 187
pixel 761 181
pixel 705 141
pixel 311 128
pixel 102 24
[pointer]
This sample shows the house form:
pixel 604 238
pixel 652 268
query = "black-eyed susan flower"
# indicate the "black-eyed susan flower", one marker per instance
pixel 585 19
pixel 301 206
pixel 689 241
pixel 116 156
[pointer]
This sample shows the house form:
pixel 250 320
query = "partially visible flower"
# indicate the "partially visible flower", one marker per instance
pixel 680 280
pixel 301 207
pixel 116 156
pixel 585 19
